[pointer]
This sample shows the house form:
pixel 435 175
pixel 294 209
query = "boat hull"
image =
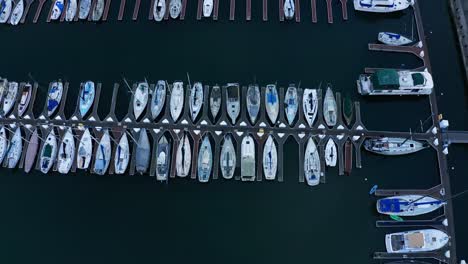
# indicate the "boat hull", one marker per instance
pixel 122 155
pixel 408 205
pixel 270 159
pixel 66 153
pixel 31 152
pixel 272 103
pixel 228 158
pixel 205 161
pixel 424 240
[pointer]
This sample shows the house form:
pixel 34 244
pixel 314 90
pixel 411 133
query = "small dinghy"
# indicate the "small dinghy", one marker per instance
pixel 54 97
pixel 408 205
pixel 233 101
pixel 85 151
pixel 140 99
pixel 291 104
pixel 331 154
pixel 393 146
pixel 329 107
pixel 289 9
pixel 312 168
pixel 272 103
pixel 87 94
pixel 248 159
pixel 183 157
pixel 57 9
pixel 122 155
pixel 85 8
pixel 207 8
pixel 15 149
pixel 158 99
pixel 253 102
pixel 143 152
pixel 66 153
pixel 71 10
pixel 103 154
pixel 228 158
pixel 31 151
pixel 177 100
pixel 310 105
pixel 3 143
pixel 48 152
pixel 98 10
pixel 270 159
pixel 17 13
pixel 159 10
pixel 205 160
pixel 163 160
pixel 215 101
pixel 393 39
pixel 6 7
pixel 175 7
pixel 10 98
pixel 25 99
pixel 416 241
pixel 196 100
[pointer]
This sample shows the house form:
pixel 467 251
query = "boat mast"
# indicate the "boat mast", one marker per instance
pixel 128 86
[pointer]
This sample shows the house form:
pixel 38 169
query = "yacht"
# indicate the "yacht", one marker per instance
pixel 183 157
pixel 71 10
pixel 329 107
pixel 233 101
pixel 205 160
pixel 228 158
pixel 85 151
pixel 272 103
pixel 177 100
pixel 140 99
pixel 66 152
pixel 408 205
pixel 98 10
pixel 175 7
pixel 393 146
pixel 48 152
pixel 159 10
pixel 103 154
pixel 158 99
pixel 10 98
pixel 416 241
pixel 57 9
pixel 15 149
pixel 25 99
pixel 54 97
pixel 17 13
pixel 122 155
pixel 85 8
pixel 207 8
pixel 3 143
pixel 288 8
pixel 382 6
pixel 310 105
pixel 331 154
pixel 215 101
pixel 163 162
pixel 312 168
pixel 87 94
pixel 31 151
pixel 270 159
pixel 253 102
pixel 143 152
pixel 393 39
pixel 248 159
pixel 395 82
pixel 291 104
pixel 196 100
pixel 5 10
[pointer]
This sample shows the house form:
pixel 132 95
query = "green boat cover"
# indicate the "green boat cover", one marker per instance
pixel 385 79
pixel 47 151
pixel 418 78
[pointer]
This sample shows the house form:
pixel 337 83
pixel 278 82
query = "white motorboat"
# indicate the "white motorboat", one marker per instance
pixel 10 98
pixel 57 9
pixel 215 101
pixel 85 8
pixel 103 154
pixel 207 8
pixel 25 99
pixel 270 159
pixel 140 99
pixel 408 205
pixel 289 9
pixel 416 241
pixel 382 6
pixel 395 82
pixel 228 158
pixel 143 153
pixel 177 100
pixel 14 149
pixel 54 97
pixel 331 154
pixel 272 103
pixel 253 102
pixel 312 168
pixel 183 157
pixel 310 105
pixel 122 155
pixel 98 10
pixel 6 7
pixel 17 13
pixel 85 151
pixel 175 6
pixel 3 143
pixel 196 100
pixel 393 39
pixel 163 161
pixel 233 101
pixel 248 159
pixel 87 94
pixel 158 99
pixel 66 152
pixel 48 152
pixel 393 146
pixel 159 10
pixel 329 107
pixel 71 10
pixel 291 104
pixel 205 160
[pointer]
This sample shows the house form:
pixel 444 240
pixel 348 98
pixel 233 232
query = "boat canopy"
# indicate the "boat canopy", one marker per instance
pixel 418 79
pixel 47 151
pixel 386 78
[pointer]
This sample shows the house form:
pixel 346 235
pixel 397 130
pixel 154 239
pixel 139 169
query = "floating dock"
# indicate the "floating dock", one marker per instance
pixel 329 11
pixel 106 10
pixel 281 10
pixel 136 9
pixel 26 10
pixel 199 9
pixel 265 10
pixel 232 10
pixel 313 4
pixel 215 9
pixel 184 8
pixel 121 10
pixel 298 11
pixel 344 9
pixel 38 11
pixel 248 10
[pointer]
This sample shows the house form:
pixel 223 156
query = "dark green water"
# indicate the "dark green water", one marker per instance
pixel 122 219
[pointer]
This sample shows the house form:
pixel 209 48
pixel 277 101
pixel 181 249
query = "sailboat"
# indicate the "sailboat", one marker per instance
pixel 331 154
pixel 233 101
pixel 71 10
pixel 393 146
pixel 312 168
pixel 54 97
pixel 5 10
pixel 163 160
pixel 57 9
pixel 48 152
pixel 140 99
pixel 207 8
pixel 183 157
pixel 205 160
pixel 122 155
pixel 196 100
pixel 143 152
pixel 17 13
pixel 272 103
pixel 248 159
pixel 159 10
pixel 177 100
pixel 66 153
pixel 382 6
pixel 175 6
pixel 85 151
pixel 98 10
pixel 31 151
pixel 15 149
pixel 158 99
pixel 85 8
pixel 87 94
pixel 408 205
pixel 215 101
pixel 3 143
pixel 253 102
pixel 270 159
pixel 228 158
pixel 329 107
pixel 291 104
pixel 424 240
pixel 25 99
pixel 10 98
pixel 393 39
pixel 310 105
pixel 103 154
pixel 288 9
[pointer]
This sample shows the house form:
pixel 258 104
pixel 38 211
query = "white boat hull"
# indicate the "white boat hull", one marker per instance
pixel 71 10
pixel 331 154
pixel 312 167
pixel 270 159
pixel 207 8
pixel 66 153
pixel 159 10
pixel 122 155
pixel 183 157
pixel 17 13
pixel 177 100
pixel 424 240
pixel 310 105
pixel 85 150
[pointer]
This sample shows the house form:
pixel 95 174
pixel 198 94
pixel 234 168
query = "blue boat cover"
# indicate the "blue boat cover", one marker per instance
pixel 52 104
pixel 390 205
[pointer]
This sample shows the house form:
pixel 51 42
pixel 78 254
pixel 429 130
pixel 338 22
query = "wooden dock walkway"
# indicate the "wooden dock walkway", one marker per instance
pixel 166 16
pixel 106 10
pixel 121 10
pixel 64 12
pixel 344 9
pixel 248 10
pixel 136 10
pixel 91 10
pixel 26 10
pixel 232 10
pixel 281 10
pixel 49 16
pixel 265 10
pixel 184 8
pixel 298 11
pixel 150 13
pixel 329 11
pixel 313 4
pixel 199 9
pixel 215 9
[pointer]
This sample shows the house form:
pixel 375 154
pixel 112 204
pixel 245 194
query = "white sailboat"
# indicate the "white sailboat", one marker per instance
pixel 233 101
pixel 10 98
pixel 329 107
pixel 163 160
pixel 393 146
pixel 289 9
pixel 71 10
pixel 122 155
pixel 215 101
pixel 57 9
pixel 310 105
pixel 183 157
pixel 331 154
pixel 66 153
pixel 270 159
pixel 207 8
pixel 159 10
pixel 85 8
pixel 98 10
pixel 177 100
pixel 175 6
pixel 248 159
pixel 416 241
pixel 291 104
pixel 382 6
pixel 140 99
pixel 5 10
pixel 228 158
pixel 3 143
pixel 85 151
pixel 393 39
pixel 272 103
pixel 408 205
pixel 14 149
pixel 103 154
pixel 17 13
pixel 253 102
pixel 158 99
pixel 48 152
pixel 312 168
pixel 87 94
pixel 25 99
pixel 54 97
pixel 196 100
pixel 205 160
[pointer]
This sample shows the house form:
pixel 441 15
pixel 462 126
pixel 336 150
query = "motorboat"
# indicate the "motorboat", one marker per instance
pixel 270 159
pixel 177 100
pixel 17 13
pixel 393 39
pixel 57 9
pixel 103 154
pixel 140 99
pixel 248 159
pixel 87 94
pixel 272 103
pixel 66 152
pixel 6 7
pixel 228 158
pixel 183 157
pixel 416 241
pixel 393 146
pixel 288 8
pixel 215 101
pixel 10 98
pixel 163 160
pixel 310 105
pixel 159 10
pixel 331 154
pixel 291 104
pixel 85 151
pixel 85 8
pixel 207 8
pixel 98 10
pixel 382 6
pixel 14 149
pixel 253 102
pixel 312 167
pixel 158 99
pixel 122 155
pixel 48 152
pixel 233 101
pixel 54 96
pixel 205 160
pixel 348 110
pixel 329 107
pixel 25 99
pixel 31 151
pixel 72 7
pixel 196 100
pixel 3 143
pixel 175 6
pixel 395 82
pixel 408 205
pixel 143 152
